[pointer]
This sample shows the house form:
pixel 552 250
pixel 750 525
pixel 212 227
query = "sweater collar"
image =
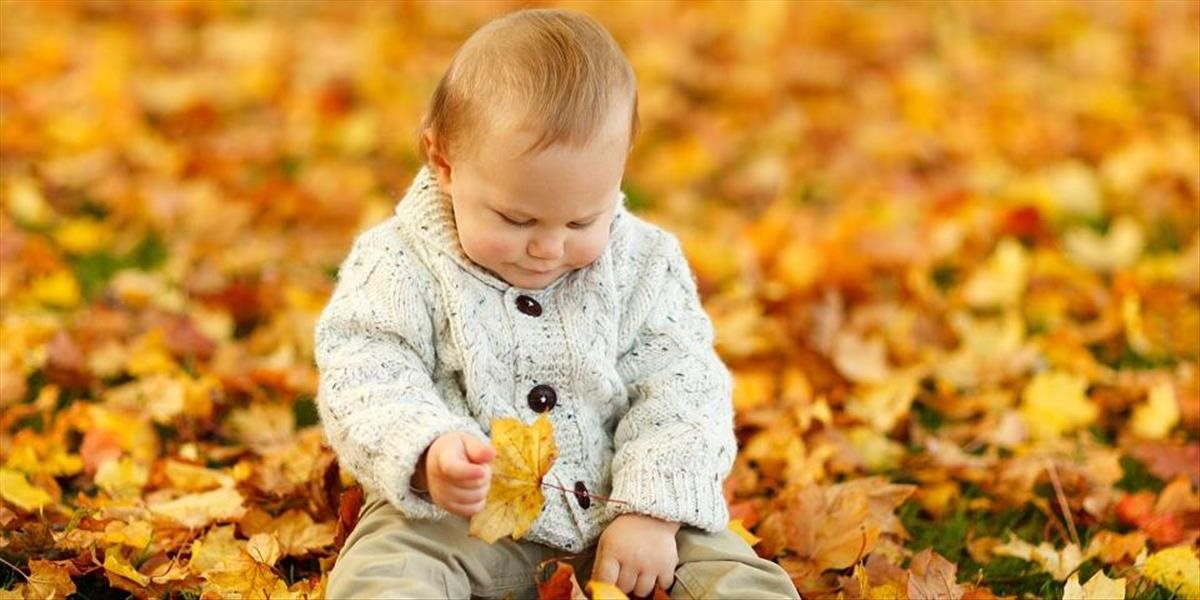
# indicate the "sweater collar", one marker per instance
pixel 428 214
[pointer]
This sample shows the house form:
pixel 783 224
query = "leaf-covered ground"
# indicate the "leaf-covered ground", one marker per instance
pixel 952 252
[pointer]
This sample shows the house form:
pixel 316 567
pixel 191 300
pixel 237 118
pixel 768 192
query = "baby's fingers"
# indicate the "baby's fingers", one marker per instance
pixel 644 585
pixel 627 579
pixel 606 569
pixel 464 473
pixel 464 509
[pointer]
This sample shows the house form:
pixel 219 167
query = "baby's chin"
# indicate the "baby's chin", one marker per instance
pixel 518 277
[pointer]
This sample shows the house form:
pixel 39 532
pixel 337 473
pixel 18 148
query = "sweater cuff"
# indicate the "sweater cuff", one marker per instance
pixel 695 499
pixel 402 452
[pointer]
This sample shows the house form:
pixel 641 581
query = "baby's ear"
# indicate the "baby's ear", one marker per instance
pixel 437 159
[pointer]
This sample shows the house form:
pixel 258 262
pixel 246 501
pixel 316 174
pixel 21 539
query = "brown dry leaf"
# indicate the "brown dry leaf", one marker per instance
pixel 523 456
pixel 932 576
pixel 295 530
pixel 49 580
pixel 832 527
pixel 1168 459
pixel 198 510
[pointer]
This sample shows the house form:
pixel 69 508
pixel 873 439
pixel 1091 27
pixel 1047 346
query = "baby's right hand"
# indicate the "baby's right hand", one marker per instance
pixel 458 472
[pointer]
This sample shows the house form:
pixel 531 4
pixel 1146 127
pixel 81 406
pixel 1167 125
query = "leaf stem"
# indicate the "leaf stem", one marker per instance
pixel 569 491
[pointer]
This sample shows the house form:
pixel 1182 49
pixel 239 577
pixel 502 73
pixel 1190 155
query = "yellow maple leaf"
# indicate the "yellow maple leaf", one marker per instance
pixel 17 490
pixel 135 535
pixel 1158 415
pixel 215 551
pixel 1177 569
pixel 523 456
pixel 59 289
pixel 1002 279
pixel 123 477
pixel 245 577
pixel 48 580
pixel 1054 403
pixel 116 563
pixel 264 547
pixel 83 235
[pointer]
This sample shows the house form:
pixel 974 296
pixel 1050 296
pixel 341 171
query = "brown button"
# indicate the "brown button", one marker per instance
pixel 542 398
pixel 581 495
pixel 529 306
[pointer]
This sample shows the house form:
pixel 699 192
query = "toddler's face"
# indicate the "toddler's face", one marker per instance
pixel 530 220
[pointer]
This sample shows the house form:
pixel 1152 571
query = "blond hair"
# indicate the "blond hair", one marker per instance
pixel 557 72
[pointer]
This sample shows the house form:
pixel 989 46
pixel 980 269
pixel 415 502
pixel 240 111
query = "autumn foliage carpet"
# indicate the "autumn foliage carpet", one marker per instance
pixel 951 251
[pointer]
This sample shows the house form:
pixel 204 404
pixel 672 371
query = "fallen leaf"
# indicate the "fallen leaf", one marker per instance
pixel 1053 403
pixel 1158 415
pixel 264 548
pixel 1058 563
pixel 932 576
pixel 523 456
pixel 198 510
pixel 295 530
pixel 602 590
pixel 556 581
pixel 49 580
pixel 16 490
pixel 736 526
pixel 1099 587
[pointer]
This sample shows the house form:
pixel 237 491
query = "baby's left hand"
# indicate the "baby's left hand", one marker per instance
pixel 636 552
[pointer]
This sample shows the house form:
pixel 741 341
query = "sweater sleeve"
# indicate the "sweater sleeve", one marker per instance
pixel 676 444
pixel 374 353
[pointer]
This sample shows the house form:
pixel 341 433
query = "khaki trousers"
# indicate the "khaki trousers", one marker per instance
pixel 389 556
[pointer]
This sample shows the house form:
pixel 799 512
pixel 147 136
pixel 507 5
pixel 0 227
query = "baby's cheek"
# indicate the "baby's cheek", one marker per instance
pixel 492 247
pixel 588 250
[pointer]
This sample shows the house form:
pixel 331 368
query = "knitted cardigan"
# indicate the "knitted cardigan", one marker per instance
pixel 417 341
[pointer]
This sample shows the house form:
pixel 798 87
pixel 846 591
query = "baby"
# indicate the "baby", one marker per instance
pixel 513 282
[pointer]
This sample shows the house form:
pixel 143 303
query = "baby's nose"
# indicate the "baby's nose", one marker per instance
pixel 545 248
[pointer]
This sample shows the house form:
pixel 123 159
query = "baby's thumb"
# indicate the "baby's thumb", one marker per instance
pixel 478 451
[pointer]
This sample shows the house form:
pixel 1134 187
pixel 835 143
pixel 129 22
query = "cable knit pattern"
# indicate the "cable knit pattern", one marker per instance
pixel 417 340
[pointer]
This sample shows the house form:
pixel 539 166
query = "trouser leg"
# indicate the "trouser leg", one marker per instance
pixel 390 556
pixel 723 565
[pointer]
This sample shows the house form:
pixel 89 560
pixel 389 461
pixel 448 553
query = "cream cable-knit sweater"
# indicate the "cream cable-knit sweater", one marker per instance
pixel 417 340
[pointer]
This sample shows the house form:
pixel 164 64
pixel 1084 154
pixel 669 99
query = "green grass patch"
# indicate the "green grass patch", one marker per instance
pixel 1137 477
pixel 95 269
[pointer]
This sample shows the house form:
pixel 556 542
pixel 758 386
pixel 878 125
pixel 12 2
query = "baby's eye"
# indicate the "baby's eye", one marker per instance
pixel 582 225
pixel 517 223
